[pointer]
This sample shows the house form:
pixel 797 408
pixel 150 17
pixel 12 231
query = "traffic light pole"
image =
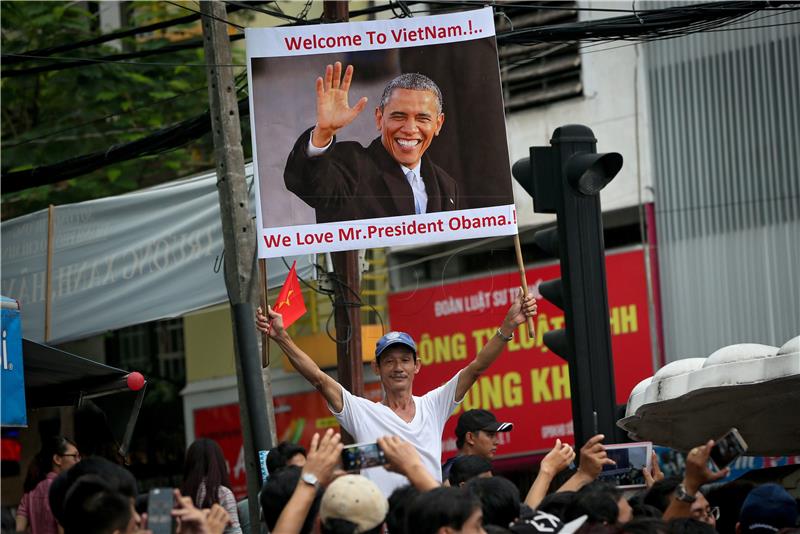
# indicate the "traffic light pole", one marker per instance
pixel 566 179
pixel 580 229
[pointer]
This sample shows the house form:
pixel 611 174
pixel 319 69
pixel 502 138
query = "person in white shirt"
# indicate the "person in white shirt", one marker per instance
pixel 419 420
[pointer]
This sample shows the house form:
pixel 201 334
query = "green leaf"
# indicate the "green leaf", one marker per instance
pixel 105 96
pixel 162 95
pixel 113 173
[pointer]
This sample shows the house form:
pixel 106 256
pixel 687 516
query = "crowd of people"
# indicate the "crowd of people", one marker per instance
pixel 308 491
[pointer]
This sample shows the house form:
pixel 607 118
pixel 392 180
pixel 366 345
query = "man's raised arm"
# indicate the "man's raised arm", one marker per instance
pixel 302 362
pixel 333 109
pixel 519 312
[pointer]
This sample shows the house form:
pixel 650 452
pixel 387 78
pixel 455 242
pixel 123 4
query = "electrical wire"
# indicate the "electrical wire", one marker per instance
pixel 278 14
pixel 218 19
pixel 88 62
pixel 237 81
pixel 677 20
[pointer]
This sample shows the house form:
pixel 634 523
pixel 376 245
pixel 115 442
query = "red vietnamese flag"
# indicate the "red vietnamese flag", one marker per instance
pixel 290 303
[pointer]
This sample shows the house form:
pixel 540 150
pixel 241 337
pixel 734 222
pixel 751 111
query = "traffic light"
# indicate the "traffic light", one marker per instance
pixel 566 179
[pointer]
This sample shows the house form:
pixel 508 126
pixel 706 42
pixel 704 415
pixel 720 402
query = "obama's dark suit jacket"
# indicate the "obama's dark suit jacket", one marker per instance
pixel 351 182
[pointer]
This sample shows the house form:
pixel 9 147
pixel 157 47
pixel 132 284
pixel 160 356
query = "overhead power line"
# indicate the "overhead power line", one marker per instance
pixel 654 23
pixel 161 141
pixel 13 59
pixel 69 63
pixel 651 25
pixel 113 58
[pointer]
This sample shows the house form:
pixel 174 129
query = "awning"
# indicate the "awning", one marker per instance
pixel 754 388
pixel 57 378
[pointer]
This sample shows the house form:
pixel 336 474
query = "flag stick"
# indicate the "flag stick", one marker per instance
pixel 264 302
pixel 523 280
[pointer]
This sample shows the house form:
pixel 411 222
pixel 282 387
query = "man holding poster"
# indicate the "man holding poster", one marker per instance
pixel 345 181
pixel 418 420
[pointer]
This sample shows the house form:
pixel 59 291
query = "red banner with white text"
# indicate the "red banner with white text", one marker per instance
pixel 528 385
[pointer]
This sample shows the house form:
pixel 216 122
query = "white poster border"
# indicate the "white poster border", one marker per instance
pixel 369 35
pixel 387 231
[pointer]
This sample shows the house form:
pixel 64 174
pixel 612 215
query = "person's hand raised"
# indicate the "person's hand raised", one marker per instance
pixel 558 459
pixel 654 473
pixel 217 519
pixel 271 325
pixel 191 520
pixel 697 470
pixel 401 455
pixel 594 457
pixel 522 308
pixel 333 109
pixel 323 456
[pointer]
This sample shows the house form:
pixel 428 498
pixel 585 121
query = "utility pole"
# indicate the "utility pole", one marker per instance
pixel 347 314
pixel 238 231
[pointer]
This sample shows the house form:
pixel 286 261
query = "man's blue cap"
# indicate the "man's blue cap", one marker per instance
pixel 394 338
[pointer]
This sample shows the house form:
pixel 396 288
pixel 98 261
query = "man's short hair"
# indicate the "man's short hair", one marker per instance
pixel 597 501
pixel 277 491
pixel 278 457
pixel 499 499
pixel 92 506
pixel 467 467
pixel 660 494
pixel 415 82
pixel 399 501
pixel 440 507
pixel 118 478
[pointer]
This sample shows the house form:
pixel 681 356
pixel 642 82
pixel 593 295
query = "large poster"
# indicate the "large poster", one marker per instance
pixel 527 385
pixel 378 133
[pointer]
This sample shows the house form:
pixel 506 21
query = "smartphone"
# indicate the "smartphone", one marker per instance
pixel 160 502
pixel 727 448
pixel 362 456
pixel 631 459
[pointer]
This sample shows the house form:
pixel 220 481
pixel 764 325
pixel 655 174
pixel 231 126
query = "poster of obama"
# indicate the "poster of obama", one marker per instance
pixel 378 133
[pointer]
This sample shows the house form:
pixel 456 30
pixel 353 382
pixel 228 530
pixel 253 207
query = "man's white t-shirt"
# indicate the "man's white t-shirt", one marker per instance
pixel 367 421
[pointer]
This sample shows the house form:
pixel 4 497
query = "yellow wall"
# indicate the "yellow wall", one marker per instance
pixel 208 338
pixel 323 350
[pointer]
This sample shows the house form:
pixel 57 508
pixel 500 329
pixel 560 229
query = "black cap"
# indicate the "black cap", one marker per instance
pixel 474 420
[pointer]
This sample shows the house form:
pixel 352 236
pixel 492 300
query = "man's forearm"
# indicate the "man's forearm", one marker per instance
pixel 294 513
pixel 420 478
pixel 301 361
pixel 576 482
pixel 493 348
pixel 539 488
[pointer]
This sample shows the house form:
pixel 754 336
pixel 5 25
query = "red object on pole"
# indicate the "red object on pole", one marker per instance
pixel 135 381
pixel 290 303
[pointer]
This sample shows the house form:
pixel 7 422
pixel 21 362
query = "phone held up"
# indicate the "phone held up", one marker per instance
pixel 630 459
pixel 727 448
pixel 362 456
pixel 160 502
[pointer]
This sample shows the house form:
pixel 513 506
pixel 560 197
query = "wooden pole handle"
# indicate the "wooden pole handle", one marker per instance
pixel 523 280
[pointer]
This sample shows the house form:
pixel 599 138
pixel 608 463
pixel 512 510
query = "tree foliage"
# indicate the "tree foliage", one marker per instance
pixel 52 116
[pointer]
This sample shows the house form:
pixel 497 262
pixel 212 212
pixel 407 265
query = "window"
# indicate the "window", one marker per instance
pixel 537 74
